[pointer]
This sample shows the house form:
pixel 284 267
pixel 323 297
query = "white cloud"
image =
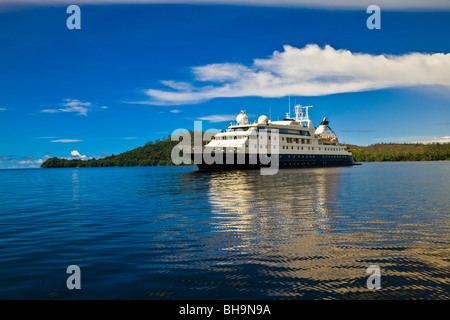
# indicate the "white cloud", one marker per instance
pixel 74 106
pixel 310 71
pixel 321 4
pixel 175 111
pixel 3 109
pixel 219 118
pixel 75 155
pixel 30 160
pixel 129 138
pixel 66 140
pixel 25 162
pixel 417 139
pixel 445 139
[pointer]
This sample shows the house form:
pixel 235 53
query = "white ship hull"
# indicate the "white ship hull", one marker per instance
pixel 291 143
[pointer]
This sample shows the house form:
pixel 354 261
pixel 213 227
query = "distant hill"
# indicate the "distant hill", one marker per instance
pixel 158 153
pixel 400 152
pixel 151 154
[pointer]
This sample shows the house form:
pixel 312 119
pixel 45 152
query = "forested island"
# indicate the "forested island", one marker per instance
pixel 158 153
pixel 400 152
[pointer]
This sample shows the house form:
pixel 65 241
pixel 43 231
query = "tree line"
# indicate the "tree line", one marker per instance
pixel 401 152
pixel 158 153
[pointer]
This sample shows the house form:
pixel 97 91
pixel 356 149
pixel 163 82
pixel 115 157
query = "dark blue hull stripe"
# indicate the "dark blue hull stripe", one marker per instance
pixel 285 161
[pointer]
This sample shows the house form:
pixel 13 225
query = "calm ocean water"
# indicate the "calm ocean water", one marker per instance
pixel 174 233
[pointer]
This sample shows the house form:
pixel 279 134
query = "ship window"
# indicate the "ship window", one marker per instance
pixel 282 139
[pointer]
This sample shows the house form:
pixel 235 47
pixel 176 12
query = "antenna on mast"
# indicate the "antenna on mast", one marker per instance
pixel 289 114
pixel 306 112
pixel 298 111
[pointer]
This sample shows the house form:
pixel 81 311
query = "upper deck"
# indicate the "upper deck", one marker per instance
pixel 289 136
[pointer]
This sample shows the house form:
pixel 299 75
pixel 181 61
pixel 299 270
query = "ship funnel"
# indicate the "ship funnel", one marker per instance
pixel 325 122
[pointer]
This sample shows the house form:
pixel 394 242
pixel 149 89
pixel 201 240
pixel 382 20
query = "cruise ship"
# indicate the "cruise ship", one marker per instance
pixel 291 143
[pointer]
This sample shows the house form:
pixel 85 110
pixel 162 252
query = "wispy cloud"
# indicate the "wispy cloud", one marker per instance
pixel 31 160
pixel 445 139
pixel 3 109
pixel 129 138
pixel 417 139
pixel 359 131
pixel 66 140
pixel 78 107
pixel 321 4
pixel 175 111
pixel 218 118
pixel 25 162
pixel 310 71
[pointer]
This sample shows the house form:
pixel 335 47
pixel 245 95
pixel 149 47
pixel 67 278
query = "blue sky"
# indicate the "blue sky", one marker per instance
pixel 135 73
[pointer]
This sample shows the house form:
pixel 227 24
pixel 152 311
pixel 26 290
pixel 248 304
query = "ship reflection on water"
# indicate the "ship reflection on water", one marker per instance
pixel 310 233
pixel 280 225
pixel 293 202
